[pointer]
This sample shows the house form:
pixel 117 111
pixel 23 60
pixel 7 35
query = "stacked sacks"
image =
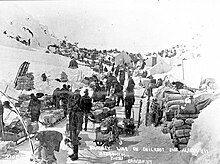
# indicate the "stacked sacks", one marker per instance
pixel 50 117
pixel 182 124
pixel 181 132
pixel 171 104
pixel 25 82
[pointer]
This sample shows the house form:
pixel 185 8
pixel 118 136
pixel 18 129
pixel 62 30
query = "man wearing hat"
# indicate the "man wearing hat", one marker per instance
pixel 75 122
pixel 34 108
pixel 86 106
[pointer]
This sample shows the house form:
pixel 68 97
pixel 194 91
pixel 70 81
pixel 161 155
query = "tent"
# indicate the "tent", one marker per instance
pixel 73 64
pixel 123 58
pixel 159 68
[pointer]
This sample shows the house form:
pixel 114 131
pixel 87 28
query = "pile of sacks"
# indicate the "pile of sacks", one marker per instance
pixel 25 82
pixel 180 132
pixel 179 113
pixel 50 117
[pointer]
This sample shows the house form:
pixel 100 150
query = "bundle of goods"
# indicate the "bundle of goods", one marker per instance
pixel 25 82
pixel 99 114
pixel 14 131
pixel 107 133
pixel 33 127
pixel 46 102
pixel 64 77
pixel 24 97
pixel 7 148
pixel 129 126
pixel 110 103
pixel 203 100
pixel 97 106
pixel 51 117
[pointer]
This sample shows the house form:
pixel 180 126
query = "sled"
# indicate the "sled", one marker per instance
pixel 22 71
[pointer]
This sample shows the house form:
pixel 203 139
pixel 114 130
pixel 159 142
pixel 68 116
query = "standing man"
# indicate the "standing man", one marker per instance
pixel 75 122
pixel 86 106
pixel 121 76
pixel 64 97
pixel 34 108
pixel 129 102
pixel 131 83
pixel 119 93
pixel 56 98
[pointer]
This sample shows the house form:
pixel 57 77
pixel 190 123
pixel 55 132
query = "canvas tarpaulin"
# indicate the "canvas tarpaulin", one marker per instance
pixel 159 68
pixel 122 58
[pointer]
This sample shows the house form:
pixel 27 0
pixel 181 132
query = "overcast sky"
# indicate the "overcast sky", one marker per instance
pixel 132 25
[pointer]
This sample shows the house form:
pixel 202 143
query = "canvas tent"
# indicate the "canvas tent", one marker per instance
pixel 73 64
pixel 123 58
pixel 159 68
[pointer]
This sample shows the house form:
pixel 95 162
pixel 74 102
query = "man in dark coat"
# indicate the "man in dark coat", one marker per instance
pixel 129 102
pixel 102 91
pixel 109 83
pixel 119 93
pixel 64 97
pixel 56 98
pixel 122 77
pixel 117 71
pixel 49 141
pixel 131 83
pixel 34 108
pixel 86 106
pixel 75 122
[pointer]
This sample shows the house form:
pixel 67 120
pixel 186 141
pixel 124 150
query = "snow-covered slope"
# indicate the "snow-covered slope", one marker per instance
pixel 40 62
pixel 18 28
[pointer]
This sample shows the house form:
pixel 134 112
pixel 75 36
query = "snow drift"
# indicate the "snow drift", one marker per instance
pixel 40 62
pixel 205 135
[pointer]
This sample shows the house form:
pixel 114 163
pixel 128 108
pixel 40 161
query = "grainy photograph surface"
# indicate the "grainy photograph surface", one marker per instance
pixel 109 82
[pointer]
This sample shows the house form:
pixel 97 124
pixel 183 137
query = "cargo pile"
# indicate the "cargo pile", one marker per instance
pixel 179 111
pixel 25 82
pixel 100 112
pixel 15 131
pixel 51 117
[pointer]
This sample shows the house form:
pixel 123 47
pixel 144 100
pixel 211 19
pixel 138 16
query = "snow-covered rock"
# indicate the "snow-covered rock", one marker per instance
pixel 17 24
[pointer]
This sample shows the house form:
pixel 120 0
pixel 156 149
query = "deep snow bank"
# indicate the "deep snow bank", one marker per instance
pixel 52 65
pixel 205 135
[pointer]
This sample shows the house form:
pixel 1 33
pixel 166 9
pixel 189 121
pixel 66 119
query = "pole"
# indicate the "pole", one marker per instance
pixel 147 111
pixel 183 68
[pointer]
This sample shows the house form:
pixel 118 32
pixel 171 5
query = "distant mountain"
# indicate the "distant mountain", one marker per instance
pixel 18 29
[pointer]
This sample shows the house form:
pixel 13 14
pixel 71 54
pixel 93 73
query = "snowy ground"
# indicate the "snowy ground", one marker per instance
pixel 150 145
